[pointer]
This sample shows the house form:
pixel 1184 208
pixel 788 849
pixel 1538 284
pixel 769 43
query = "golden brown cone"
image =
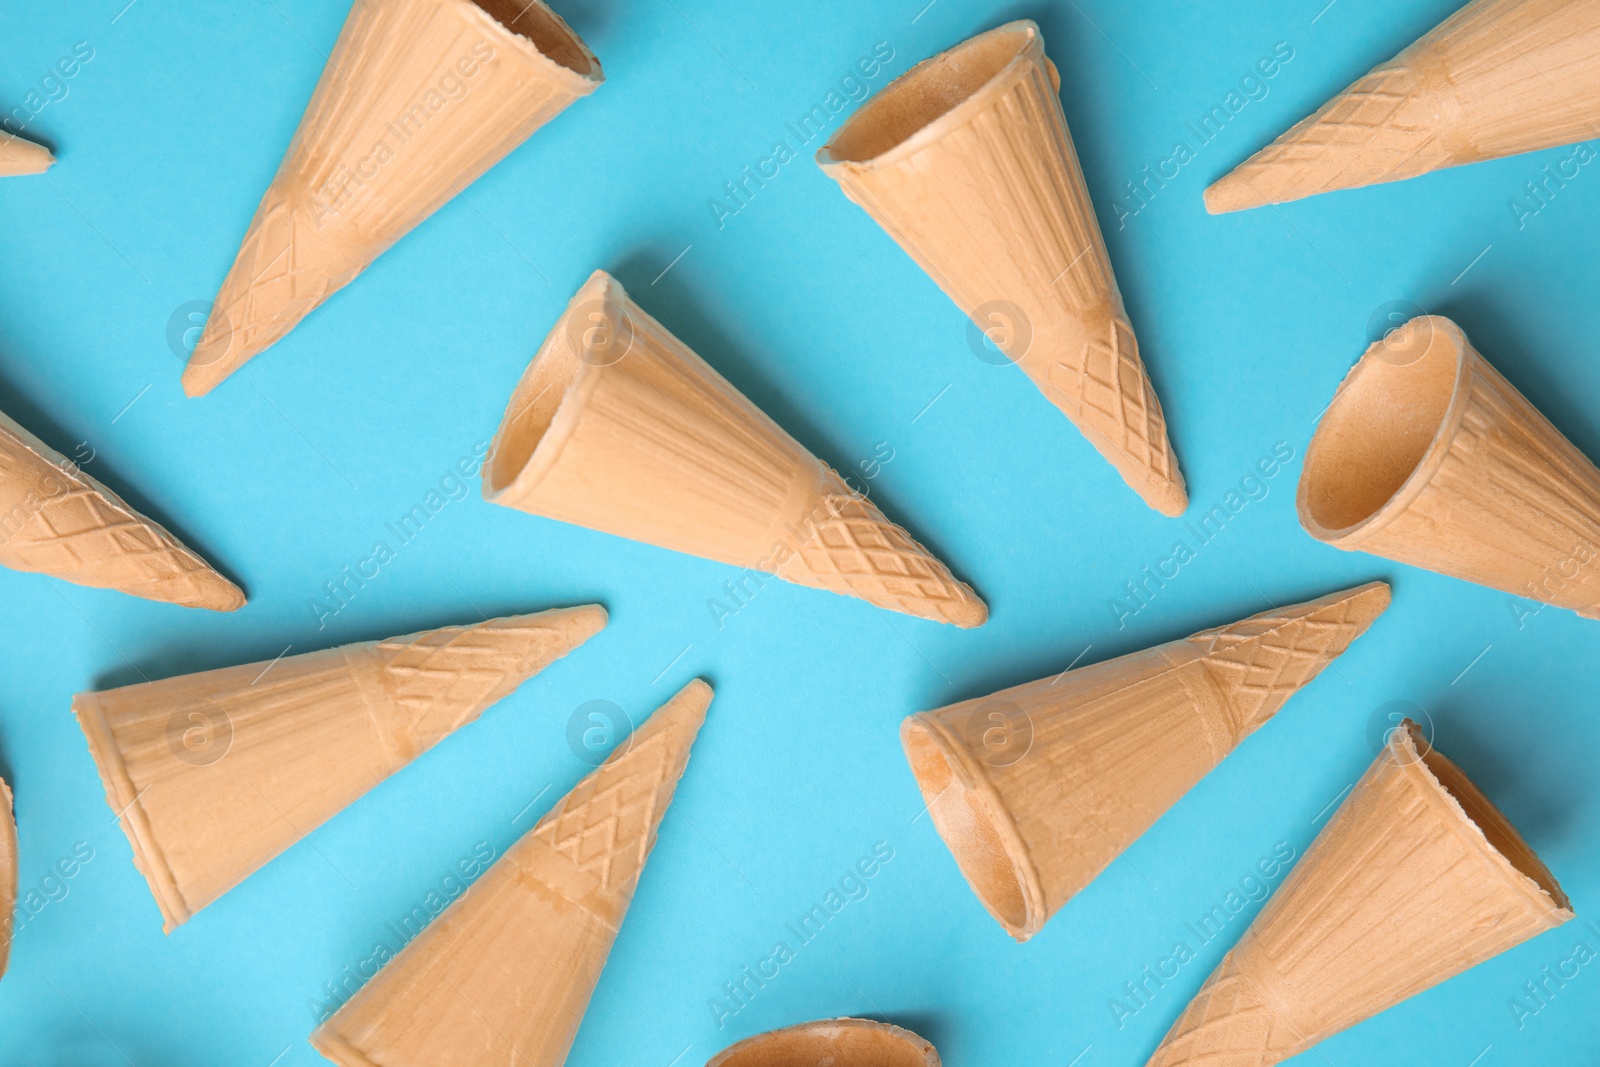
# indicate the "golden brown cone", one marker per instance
pixel 835 1042
pixel 1416 878
pixel 395 129
pixel 1497 78
pixel 8 875
pixel 619 427
pixel 56 520
pixel 1428 456
pixel 22 157
pixel 1038 788
pixel 966 161
pixel 214 774
pixel 504 976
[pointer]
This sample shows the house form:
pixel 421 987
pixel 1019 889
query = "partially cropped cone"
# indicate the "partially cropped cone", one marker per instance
pixel 966 161
pixel 504 976
pixel 833 1043
pixel 1429 457
pixel 1038 788
pixel 418 99
pixel 56 520
pixel 214 774
pixel 1497 78
pixel 1416 878
pixel 8 875
pixel 22 157
pixel 619 427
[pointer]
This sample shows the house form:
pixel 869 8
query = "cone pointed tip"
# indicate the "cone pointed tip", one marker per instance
pixel 971 613
pixel 584 621
pixel 219 594
pixel 1232 192
pixel 698 692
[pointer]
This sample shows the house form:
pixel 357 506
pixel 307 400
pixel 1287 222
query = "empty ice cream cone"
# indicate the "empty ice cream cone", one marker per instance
pixel 619 427
pixel 1416 878
pixel 22 157
pixel 1037 788
pixel 419 98
pixel 504 976
pixel 56 520
pixel 8 875
pixel 966 161
pixel 834 1043
pixel 1428 456
pixel 1497 78
pixel 214 774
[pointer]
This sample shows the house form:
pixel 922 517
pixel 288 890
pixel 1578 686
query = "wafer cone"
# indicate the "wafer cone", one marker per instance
pixel 56 520
pixel 504 976
pixel 8 875
pixel 1416 878
pixel 1038 788
pixel 397 127
pixel 836 1043
pixel 619 427
pixel 1428 456
pixel 1497 78
pixel 967 163
pixel 22 157
pixel 214 774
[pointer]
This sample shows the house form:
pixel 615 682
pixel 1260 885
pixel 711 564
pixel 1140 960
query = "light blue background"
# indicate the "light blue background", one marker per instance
pixel 290 470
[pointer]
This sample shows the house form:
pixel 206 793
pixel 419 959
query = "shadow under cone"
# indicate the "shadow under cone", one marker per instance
pixel 56 520
pixel 1416 878
pixel 835 1042
pixel 419 98
pixel 22 157
pixel 966 161
pixel 619 427
pixel 8 875
pixel 215 774
pixel 1497 78
pixel 504 976
pixel 1038 788
pixel 1429 457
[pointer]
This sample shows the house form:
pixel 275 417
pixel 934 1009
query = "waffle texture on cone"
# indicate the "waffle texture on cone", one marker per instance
pixel 832 1043
pixel 1416 878
pixel 22 157
pixel 1038 788
pixel 8 875
pixel 617 426
pixel 1497 78
pixel 504 976
pixel 214 774
pixel 966 162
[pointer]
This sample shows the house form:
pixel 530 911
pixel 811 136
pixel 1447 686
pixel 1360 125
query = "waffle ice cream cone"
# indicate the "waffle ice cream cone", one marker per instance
pixel 504 976
pixel 1497 78
pixel 1429 457
pixel 22 157
pixel 966 161
pixel 418 99
pixel 1416 878
pixel 8 875
pixel 835 1042
pixel 215 774
pixel 56 520
pixel 1038 788
pixel 619 427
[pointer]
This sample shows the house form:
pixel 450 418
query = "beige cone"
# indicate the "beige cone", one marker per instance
pixel 397 127
pixel 214 774
pixel 1428 456
pixel 619 427
pixel 8 875
pixel 966 161
pixel 835 1043
pixel 504 976
pixel 1497 78
pixel 22 157
pixel 1416 878
pixel 1038 788
pixel 56 520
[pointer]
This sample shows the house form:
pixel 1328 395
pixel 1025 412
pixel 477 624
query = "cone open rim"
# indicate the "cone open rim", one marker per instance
pixel 976 827
pixel 546 31
pixel 934 97
pixel 810 1044
pixel 1387 431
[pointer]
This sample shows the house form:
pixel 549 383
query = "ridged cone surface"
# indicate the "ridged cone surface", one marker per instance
pixel 8 875
pixel 835 1042
pixel 215 774
pixel 996 210
pixel 1038 788
pixel 654 445
pixel 1497 78
pixel 395 129
pixel 19 157
pixel 503 977
pixel 1402 890
pixel 56 520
